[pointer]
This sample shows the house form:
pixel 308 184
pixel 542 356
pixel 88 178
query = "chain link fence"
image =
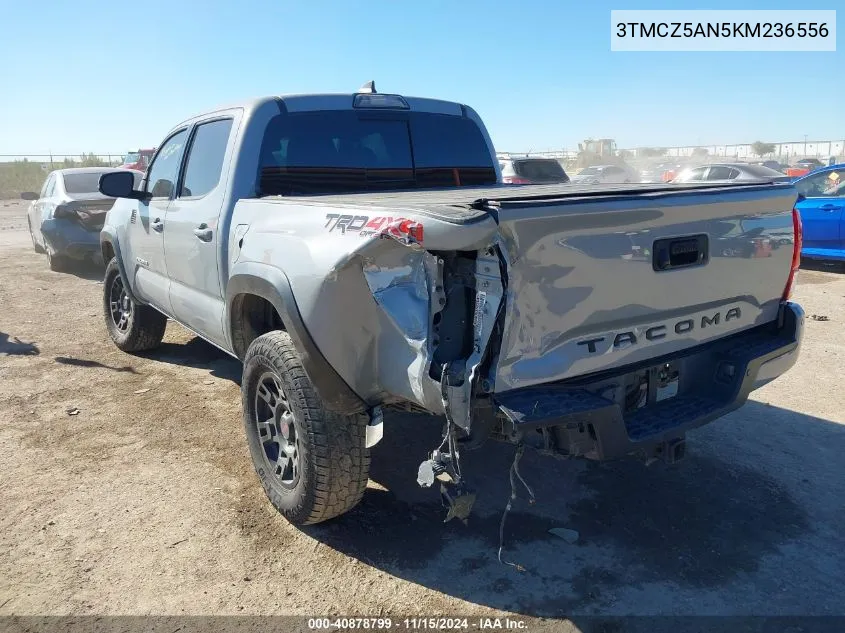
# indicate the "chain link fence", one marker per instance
pixel 27 172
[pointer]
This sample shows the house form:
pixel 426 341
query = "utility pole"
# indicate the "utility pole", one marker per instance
pixel 805 146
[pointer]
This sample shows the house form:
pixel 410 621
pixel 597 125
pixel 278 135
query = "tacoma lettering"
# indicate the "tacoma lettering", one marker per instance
pixel 656 332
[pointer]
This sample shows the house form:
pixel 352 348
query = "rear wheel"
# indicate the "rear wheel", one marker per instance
pixel 133 327
pixel 313 463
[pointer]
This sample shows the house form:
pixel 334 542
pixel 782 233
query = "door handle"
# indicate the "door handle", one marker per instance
pixel 203 232
pixel 830 207
pixel 158 225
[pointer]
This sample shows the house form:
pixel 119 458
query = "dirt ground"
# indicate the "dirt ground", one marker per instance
pixel 145 501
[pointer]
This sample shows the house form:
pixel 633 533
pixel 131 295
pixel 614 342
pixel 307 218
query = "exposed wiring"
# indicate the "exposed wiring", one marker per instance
pixel 450 423
pixel 444 397
pixel 514 475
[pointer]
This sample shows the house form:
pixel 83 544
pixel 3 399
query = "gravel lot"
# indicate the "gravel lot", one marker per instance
pixel 145 502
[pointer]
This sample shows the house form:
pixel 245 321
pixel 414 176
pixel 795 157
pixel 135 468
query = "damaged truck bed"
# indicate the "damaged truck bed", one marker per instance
pixel 358 253
pixel 584 322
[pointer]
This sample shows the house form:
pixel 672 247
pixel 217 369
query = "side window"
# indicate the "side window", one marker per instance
pixel 162 174
pixel 827 184
pixel 721 173
pixel 205 158
pixel 693 175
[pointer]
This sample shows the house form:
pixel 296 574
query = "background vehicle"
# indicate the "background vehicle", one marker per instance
pixel 599 174
pixel 526 171
pixel 771 164
pixel 823 213
pixel 138 160
pixel 809 163
pixel 803 167
pixel 663 172
pixel 730 172
pixel 359 252
pixel 66 217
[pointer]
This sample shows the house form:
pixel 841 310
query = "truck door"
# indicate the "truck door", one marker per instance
pixel 147 225
pixel 822 212
pixel 192 238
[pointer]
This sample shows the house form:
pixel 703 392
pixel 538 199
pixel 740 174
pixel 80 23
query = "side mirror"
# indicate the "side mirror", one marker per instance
pixel 29 195
pixel 120 184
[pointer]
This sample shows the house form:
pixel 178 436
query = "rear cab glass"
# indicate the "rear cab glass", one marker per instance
pixel 365 150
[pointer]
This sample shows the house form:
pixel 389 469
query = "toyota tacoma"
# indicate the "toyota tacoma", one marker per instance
pixel 359 253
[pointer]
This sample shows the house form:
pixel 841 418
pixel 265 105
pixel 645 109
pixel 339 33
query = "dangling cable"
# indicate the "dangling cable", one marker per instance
pixel 444 398
pixel 513 474
pixel 532 499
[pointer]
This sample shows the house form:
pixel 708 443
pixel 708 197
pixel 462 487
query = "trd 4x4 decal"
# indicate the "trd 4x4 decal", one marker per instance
pixel 401 229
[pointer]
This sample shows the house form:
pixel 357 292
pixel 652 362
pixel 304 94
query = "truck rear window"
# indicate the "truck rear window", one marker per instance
pixel 348 150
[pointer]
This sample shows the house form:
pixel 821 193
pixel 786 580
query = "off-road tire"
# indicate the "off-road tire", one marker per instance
pixel 333 459
pixel 35 245
pixel 144 326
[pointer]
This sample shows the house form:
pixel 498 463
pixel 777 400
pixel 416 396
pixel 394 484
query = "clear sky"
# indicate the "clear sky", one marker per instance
pixel 109 76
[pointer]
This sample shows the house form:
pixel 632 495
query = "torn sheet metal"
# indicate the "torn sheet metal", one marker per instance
pixel 401 284
pixel 488 298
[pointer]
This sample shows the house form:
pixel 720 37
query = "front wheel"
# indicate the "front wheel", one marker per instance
pixel 313 463
pixel 133 327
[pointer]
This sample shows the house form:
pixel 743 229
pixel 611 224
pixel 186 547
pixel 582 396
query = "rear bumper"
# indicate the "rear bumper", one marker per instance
pixel 571 418
pixel 68 239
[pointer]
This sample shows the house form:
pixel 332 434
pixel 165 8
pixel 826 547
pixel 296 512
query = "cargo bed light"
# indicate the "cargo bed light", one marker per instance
pixel 375 100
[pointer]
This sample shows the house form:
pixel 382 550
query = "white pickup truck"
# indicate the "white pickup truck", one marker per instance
pixel 359 252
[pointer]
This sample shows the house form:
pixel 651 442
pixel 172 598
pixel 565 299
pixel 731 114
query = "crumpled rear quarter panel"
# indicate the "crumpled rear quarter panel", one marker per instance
pixel 366 299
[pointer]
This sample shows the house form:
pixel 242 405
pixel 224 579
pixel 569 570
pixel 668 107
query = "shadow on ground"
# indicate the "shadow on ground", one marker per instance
pixel 199 354
pixel 13 346
pixel 696 526
pixel 85 270
pixel 821 266
pixel 80 362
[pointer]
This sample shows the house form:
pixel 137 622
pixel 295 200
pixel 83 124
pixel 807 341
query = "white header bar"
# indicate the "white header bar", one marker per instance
pixel 723 30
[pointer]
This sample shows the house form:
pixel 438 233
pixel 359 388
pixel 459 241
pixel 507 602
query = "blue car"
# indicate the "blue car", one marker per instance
pixel 823 213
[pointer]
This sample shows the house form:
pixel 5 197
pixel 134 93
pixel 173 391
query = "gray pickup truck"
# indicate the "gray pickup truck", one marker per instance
pixel 358 252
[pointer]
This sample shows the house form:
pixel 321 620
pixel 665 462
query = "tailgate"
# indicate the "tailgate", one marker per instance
pixel 595 283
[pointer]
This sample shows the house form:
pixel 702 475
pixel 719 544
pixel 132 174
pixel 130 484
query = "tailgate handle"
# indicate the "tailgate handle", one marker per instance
pixel 680 252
